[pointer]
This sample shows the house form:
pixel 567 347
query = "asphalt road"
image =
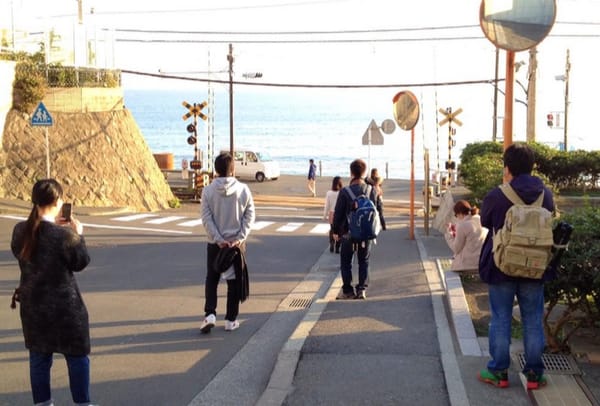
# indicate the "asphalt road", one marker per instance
pixel 144 291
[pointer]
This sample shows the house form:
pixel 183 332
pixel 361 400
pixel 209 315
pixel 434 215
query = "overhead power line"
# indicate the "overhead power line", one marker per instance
pixel 324 32
pixel 298 41
pixel 312 86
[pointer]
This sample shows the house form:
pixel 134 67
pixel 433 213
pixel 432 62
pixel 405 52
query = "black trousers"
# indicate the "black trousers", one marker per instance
pixel 211 285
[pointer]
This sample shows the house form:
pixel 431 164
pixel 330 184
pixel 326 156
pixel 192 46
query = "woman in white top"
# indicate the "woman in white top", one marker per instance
pixel 330 199
pixel 465 238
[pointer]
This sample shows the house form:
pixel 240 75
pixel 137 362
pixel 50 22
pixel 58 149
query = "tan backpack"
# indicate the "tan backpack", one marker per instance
pixel 523 246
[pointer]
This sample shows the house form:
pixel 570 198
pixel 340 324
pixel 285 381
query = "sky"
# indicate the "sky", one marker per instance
pixel 385 42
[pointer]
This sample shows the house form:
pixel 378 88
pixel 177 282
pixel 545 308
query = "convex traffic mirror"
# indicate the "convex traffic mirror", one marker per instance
pixel 517 25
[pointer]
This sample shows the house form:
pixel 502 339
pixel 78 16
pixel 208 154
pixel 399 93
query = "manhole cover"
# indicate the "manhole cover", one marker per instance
pixel 559 364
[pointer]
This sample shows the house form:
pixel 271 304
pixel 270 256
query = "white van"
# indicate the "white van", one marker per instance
pixel 255 165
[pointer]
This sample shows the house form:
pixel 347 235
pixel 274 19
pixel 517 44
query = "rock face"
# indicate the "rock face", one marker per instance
pixel 100 158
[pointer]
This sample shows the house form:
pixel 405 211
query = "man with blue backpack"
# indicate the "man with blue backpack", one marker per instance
pixel 356 224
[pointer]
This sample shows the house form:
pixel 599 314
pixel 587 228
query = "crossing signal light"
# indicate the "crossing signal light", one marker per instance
pixel 191 140
pixel 191 128
pixel 550 120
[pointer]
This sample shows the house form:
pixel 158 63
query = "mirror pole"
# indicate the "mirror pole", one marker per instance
pixel 509 98
pixel 411 229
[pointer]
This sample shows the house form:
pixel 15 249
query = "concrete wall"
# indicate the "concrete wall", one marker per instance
pixel 7 76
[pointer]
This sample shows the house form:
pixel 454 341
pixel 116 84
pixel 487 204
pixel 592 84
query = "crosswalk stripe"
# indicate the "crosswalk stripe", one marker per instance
pixel 320 229
pixel 135 217
pixel 191 223
pixel 289 227
pixel 164 220
pixel 259 225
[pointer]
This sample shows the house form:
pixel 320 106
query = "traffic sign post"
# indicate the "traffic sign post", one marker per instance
pixel 195 111
pixel 450 117
pixel 41 118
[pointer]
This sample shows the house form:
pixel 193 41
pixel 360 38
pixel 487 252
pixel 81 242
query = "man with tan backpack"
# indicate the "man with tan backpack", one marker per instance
pixel 514 263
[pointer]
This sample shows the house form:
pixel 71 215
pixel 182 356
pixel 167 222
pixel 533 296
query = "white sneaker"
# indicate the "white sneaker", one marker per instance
pixel 232 325
pixel 208 323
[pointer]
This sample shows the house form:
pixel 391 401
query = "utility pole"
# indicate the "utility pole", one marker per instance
pixel 567 70
pixel 230 60
pixel 531 92
pixel 495 124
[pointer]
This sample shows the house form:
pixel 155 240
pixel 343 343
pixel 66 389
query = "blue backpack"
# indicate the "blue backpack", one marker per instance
pixel 363 219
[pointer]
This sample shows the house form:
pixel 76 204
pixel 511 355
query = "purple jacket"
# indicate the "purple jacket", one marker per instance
pixel 493 212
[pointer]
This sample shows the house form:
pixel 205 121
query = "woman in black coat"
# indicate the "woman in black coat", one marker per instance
pixel 54 318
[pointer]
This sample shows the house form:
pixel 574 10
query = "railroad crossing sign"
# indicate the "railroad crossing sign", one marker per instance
pixel 194 110
pixel 451 116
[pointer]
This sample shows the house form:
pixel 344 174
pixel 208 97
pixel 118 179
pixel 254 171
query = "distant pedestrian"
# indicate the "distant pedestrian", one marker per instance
pixel 343 207
pixel 228 213
pixel 502 289
pixel 376 181
pixel 330 200
pixel 50 250
pixel 465 237
pixel 312 176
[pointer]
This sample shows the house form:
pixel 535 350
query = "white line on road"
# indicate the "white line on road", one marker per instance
pixel 163 220
pixel 320 229
pixel 259 225
pixel 135 217
pixel 289 227
pixel 156 230
pixel 191 223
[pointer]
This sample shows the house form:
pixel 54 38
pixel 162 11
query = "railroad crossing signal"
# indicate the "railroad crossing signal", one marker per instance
pixel 450 116
pixel 194 110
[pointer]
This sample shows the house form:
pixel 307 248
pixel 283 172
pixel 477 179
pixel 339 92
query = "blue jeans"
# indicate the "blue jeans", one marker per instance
pixel 363 251
pixel 79 377
pixel 530 295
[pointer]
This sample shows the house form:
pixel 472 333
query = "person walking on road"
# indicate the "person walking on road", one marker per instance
pixel 466 237
pixel 330 199
pixel 50 249
pixel 376 181
pixel 502 289
pixel 312 176
pixel 227 210
pixel 341 233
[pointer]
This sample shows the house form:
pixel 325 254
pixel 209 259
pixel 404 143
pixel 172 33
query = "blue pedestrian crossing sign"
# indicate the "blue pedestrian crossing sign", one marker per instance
pixel 41 116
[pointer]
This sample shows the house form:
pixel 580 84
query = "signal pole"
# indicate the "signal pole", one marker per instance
pixel 230 60
pixel 567 69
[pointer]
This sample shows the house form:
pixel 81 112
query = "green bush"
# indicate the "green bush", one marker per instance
pixel 577 288
pixel 484 172
pixel 29 86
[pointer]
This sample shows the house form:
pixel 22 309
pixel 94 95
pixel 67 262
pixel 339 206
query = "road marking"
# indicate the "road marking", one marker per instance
pixel 320 229
pixel 134 217
pixel 155 230
pixel 163 220
pixel 191 223
pixel 259 225
pixel 289 227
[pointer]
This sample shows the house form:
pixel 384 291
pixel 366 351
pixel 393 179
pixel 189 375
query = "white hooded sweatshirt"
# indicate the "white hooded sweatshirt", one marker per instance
pixel 227 210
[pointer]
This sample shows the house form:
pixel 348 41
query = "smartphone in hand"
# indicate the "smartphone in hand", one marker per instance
pixel 66 211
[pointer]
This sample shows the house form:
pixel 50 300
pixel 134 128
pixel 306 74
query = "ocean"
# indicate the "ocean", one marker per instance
pixel 291 125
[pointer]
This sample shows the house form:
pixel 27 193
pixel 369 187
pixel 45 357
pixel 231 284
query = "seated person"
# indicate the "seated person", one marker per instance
pixel 466 237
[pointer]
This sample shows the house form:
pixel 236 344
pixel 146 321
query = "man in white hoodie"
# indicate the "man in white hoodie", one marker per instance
pixel 227 211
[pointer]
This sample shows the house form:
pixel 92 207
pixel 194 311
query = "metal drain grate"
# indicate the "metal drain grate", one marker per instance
pixel 559 364
pixel 299 302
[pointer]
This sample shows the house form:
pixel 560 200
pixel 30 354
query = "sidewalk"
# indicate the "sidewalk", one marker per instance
pixel 401 346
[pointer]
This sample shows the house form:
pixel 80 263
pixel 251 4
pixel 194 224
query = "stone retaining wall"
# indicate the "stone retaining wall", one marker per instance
pixel 101 159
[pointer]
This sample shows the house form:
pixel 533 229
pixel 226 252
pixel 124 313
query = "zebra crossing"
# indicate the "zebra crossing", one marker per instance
pixel 188 223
